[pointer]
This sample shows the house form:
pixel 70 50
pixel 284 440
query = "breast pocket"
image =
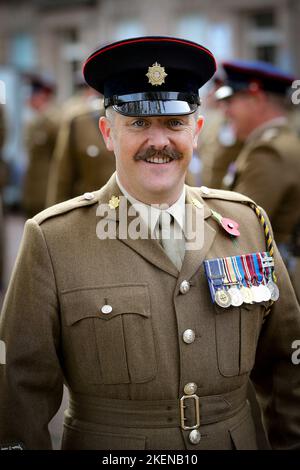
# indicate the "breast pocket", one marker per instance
pixel 237 331
pixel 110 333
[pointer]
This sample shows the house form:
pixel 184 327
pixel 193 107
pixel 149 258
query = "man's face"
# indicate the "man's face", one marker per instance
pixel 152 153
pixel 241 110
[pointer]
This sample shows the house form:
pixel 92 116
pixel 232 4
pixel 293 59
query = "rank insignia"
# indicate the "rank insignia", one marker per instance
pixel 156 74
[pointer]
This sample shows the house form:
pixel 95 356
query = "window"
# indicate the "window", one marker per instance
pixel 128 29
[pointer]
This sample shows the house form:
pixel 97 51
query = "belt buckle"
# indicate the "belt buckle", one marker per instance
pixel 197 412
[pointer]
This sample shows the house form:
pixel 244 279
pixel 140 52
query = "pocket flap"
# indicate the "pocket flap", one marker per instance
pixel 81 303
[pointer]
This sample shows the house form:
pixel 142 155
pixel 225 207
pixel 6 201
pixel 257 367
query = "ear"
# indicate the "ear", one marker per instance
pixel 105 127
pixel 198 127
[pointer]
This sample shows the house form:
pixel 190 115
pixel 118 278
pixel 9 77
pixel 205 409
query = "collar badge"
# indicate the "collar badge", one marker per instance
pixel 114 202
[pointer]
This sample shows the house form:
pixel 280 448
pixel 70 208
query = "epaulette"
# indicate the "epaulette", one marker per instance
pixel 269 134
pixel 86 199
pixel 210 193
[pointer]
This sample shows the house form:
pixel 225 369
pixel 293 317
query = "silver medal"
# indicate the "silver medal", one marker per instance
pixel 256 294
pixel 247 295
pixel 264 292
pixel 236 296
pixel 273 290
pixel 222 298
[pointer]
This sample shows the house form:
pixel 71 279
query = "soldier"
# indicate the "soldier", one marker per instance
pixel 218 146
pixel 40 138
pixel 153 300
pixel 268 167
pixel 81 161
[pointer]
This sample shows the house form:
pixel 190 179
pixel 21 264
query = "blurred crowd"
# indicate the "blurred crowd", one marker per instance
pixel 250 144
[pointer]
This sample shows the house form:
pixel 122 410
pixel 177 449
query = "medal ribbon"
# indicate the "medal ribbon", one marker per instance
pixel 237 273
pixel 246 270
pixel 267 264
pixel 258 272
pixel 241 269
pixel 215 275
pixel 230 268
pixel 260 268
pixel 251 268
pixel 228 279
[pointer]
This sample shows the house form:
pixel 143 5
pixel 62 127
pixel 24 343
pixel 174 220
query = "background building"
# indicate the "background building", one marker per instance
pixel 54 36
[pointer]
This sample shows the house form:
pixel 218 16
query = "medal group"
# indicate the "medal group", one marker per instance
pixel 242 279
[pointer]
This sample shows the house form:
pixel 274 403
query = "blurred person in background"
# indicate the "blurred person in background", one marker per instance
pixel 40 135
pixel 218 146
pixel 255 100
pixel 81 161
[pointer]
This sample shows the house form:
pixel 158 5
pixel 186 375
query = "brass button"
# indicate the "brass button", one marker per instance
pixel 194 436
pixel 184 287
pixel 190 388
pixel 106 309
pixel 188 336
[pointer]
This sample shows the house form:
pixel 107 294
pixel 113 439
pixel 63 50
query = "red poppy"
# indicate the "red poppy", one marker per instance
pixel 230 226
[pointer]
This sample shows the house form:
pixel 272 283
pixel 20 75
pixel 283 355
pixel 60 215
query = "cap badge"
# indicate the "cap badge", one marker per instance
pixel 156 74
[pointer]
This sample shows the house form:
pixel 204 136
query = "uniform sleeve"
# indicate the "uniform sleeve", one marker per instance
pixel 275 376
pixel 31 379
pixel 260 178
pixel 62 175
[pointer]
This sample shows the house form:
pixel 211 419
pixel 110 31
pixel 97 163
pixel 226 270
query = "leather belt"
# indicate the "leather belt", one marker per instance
pixel 157 413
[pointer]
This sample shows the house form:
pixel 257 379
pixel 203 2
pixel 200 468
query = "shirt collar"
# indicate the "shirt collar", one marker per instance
pixel 151 213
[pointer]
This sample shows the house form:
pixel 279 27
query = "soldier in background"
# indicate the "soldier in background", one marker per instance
pixel 218 145
pixel 268 167
pixel 40 137
pixel 81 162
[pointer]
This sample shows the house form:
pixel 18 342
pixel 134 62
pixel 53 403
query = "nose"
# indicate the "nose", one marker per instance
pixel 158 137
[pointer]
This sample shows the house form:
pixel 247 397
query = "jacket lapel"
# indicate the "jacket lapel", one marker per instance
pixel 195 257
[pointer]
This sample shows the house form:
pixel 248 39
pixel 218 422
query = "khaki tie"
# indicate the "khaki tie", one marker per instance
pixel 171 238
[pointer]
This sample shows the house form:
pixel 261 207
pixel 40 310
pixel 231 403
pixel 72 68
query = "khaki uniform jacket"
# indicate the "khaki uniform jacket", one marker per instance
pixel 81 161
pixel 268 171
pixel 40 139
pixel 126 369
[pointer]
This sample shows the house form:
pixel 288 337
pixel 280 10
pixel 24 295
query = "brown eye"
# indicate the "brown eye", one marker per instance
pixel 175 123
pixel 139 123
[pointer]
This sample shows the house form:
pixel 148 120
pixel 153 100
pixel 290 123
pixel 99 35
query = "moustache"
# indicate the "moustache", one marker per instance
pixel 152 151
